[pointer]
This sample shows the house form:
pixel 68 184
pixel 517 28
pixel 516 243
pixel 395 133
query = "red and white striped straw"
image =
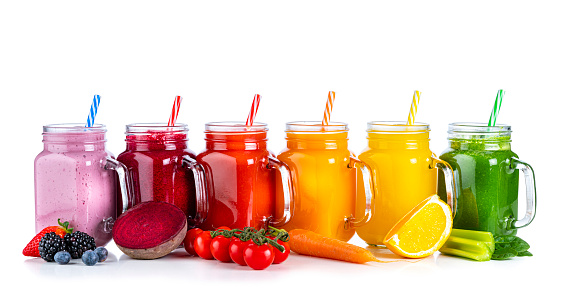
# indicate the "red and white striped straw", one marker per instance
pixel 253 112
pixel 328 108
pixel 175 108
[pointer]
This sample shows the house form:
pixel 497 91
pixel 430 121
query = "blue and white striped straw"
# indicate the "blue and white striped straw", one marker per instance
pixel 93 111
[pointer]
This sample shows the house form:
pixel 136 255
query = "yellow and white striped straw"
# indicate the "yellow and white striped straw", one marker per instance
pixel 328 108
pixel 413 109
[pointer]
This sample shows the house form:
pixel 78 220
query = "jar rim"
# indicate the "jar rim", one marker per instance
pixel 316 126
pixel 235 126
pixel 143 128
pixel 478 128
pixel 397 127
pixel 73 128
pixel 469 131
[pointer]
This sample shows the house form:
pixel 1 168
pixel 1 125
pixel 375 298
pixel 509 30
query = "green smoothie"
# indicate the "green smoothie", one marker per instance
pixel 486 187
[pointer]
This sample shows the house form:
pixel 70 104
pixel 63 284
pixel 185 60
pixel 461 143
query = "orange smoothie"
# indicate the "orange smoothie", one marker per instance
pixel 405 172
pixel 324 181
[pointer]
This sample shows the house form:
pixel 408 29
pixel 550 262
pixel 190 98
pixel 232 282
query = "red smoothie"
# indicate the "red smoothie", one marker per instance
pixel 241 185
pixel 154 154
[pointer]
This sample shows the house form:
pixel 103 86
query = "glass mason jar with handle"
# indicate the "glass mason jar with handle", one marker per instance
pixel 79 181
pixel 163 168
pixel 405 172
pixel 324 173
pixel 241 176
pixel 487 173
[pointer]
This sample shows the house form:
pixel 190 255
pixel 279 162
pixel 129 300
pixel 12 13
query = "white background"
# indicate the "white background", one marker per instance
pixel 55 55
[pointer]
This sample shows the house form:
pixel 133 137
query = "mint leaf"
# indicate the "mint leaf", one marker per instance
pixel 525 253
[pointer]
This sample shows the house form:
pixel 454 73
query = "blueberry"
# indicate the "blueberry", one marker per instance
pixel 62 257
pixel 102 253
pixel 90 258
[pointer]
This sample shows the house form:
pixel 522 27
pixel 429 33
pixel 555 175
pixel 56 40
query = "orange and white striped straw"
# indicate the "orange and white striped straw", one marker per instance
pixel 175 108
pixel 413 109
pixel 328 108
pixel 253 112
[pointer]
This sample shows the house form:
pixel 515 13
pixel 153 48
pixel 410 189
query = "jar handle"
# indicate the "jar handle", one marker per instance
pixel 369 190
pixel 201 185
pixel 126 188
pixel 530 187
pixel 287 189
pixel 450 183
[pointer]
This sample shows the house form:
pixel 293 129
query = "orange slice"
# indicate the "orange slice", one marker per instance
pixel 422 231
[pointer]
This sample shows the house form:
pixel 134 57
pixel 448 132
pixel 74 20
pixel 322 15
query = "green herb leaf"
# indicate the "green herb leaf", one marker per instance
pixel 520 245
pixel 510 246
pixel 504 239
pixel 502 246
pixel 504 253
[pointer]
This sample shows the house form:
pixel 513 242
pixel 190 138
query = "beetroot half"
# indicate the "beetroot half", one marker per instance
pixel 150 230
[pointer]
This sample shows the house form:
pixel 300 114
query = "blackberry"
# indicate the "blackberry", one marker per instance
pixel 79 242
pixel 50 244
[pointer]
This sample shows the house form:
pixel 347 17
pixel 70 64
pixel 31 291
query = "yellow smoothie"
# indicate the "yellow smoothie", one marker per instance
pixel 324 183
pixel 404 172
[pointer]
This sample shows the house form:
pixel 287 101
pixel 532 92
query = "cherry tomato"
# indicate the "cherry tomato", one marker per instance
pixel 189 240
pixel 219 248
pixel 202 245
pixel 237 250
pixel 259 257
pixel 278 255
pixel 224 228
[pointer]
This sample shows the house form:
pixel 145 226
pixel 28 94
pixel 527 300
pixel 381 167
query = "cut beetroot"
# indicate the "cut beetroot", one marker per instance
pixel 150 230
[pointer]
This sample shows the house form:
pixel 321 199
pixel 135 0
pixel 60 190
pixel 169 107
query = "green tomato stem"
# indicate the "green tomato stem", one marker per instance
pixel 259 237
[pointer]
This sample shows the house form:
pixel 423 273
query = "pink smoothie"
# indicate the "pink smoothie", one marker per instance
pixel 72 184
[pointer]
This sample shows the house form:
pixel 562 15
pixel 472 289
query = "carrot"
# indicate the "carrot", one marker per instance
pixel 310 243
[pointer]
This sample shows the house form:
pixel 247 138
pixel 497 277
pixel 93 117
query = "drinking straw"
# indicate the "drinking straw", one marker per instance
pixel 175 108
pixel 413 109
pixel 328 108
pixel 497 106
pixel 93 111
pixel 253 112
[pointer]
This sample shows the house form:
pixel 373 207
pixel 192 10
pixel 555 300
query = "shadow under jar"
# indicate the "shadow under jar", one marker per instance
pixel 156 156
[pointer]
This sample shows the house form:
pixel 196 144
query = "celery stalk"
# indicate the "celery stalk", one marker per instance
pixel 485 237
pixel 468 248
pixel 476 245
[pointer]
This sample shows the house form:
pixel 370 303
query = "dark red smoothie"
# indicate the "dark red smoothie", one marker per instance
pixel 154 155
pixel 241 189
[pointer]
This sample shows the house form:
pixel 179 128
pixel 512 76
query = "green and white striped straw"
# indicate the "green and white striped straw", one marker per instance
pixel 497 106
